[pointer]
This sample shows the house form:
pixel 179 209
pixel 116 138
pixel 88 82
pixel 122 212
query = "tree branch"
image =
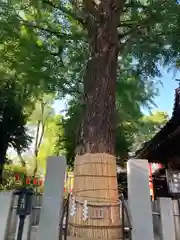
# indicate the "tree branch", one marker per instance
pixel 91 9
pixel 143 24
pixel 127 42
pixel 145 8
pixel 23 162
pixel 48 30
pixel 66 11
pixel 72 90
pixel 140 5
pixel 66 36
pixel 134 31
pixel 127 23
pixel 36 138
pixel 41 136
pixel 58 53
pixel 135 5
pixel 130 32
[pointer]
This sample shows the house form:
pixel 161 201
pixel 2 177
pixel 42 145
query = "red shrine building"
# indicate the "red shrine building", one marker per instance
pixel 163 152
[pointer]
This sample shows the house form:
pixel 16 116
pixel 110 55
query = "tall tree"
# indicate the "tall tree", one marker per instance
pixel 24 76
pixel 52 132
pixel 146 29
pixel 106 40
pixel 39 118
pixel 13 119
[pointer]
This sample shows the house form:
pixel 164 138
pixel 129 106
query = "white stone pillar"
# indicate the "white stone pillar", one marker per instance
pixel 167 219
pixel 5 204
pixel 52 200
pixel 139 200
pixel 176 209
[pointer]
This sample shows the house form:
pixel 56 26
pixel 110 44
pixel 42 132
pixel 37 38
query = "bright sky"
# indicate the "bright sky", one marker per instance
pixel 60 106
pixel 164 101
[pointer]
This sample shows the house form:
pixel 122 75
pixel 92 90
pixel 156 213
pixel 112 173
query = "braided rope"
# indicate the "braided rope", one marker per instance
pixel 93 226
pixel 99 205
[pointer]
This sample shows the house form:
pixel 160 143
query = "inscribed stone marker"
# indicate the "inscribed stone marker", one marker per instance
pixel 52 200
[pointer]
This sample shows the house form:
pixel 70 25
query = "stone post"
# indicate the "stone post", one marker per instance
pixel 139 200
pixel 52 200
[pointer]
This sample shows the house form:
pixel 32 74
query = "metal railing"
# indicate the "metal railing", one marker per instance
pixel 63 231
pixel 126 226
pixel 35 217
pixel 64 217
pixel 157 224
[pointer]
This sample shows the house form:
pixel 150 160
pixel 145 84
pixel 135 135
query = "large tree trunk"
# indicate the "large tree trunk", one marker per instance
pixel 100 89
pixel 95 164
pixel 3 150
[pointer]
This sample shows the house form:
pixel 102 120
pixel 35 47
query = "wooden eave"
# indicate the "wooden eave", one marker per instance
pixel 166 142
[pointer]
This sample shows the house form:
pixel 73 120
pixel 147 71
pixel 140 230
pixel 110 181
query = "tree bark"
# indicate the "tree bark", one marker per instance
pixel 100 78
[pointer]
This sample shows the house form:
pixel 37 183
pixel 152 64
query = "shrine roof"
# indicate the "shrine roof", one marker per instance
pixel 166 142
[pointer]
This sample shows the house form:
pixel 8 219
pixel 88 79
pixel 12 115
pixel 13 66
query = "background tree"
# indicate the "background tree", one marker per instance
pixel 148 126
pixel 12 121
pixel 24 76
pixel 41 114
pixel 52 132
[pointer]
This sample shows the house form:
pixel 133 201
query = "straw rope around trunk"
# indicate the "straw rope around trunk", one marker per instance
pixel 95 181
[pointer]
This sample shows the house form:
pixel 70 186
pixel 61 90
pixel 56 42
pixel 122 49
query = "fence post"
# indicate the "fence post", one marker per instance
pixel 52 200
pixel 139 200
pixel 177 218
pixel 5 213
pixel 167 219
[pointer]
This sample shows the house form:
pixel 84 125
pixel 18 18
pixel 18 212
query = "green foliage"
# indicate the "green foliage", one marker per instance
pixel 42 110
pixel 22 76
pixel 46 130
pixel 149 125
pixel 38 120
pixel 134 91
pixel 9 176
pixel 44 47
pixel 56 33
pixel 71 124
pixel 15 177
pixel 12 121
pixel 20 48
pixel 153 26
pixel 147 30
pixel 53 132
pixel 131 96
pixel 131 131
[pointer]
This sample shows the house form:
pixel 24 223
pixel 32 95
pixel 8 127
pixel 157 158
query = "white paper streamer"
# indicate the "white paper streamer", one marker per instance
pixel 73 207
pixel 85 210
